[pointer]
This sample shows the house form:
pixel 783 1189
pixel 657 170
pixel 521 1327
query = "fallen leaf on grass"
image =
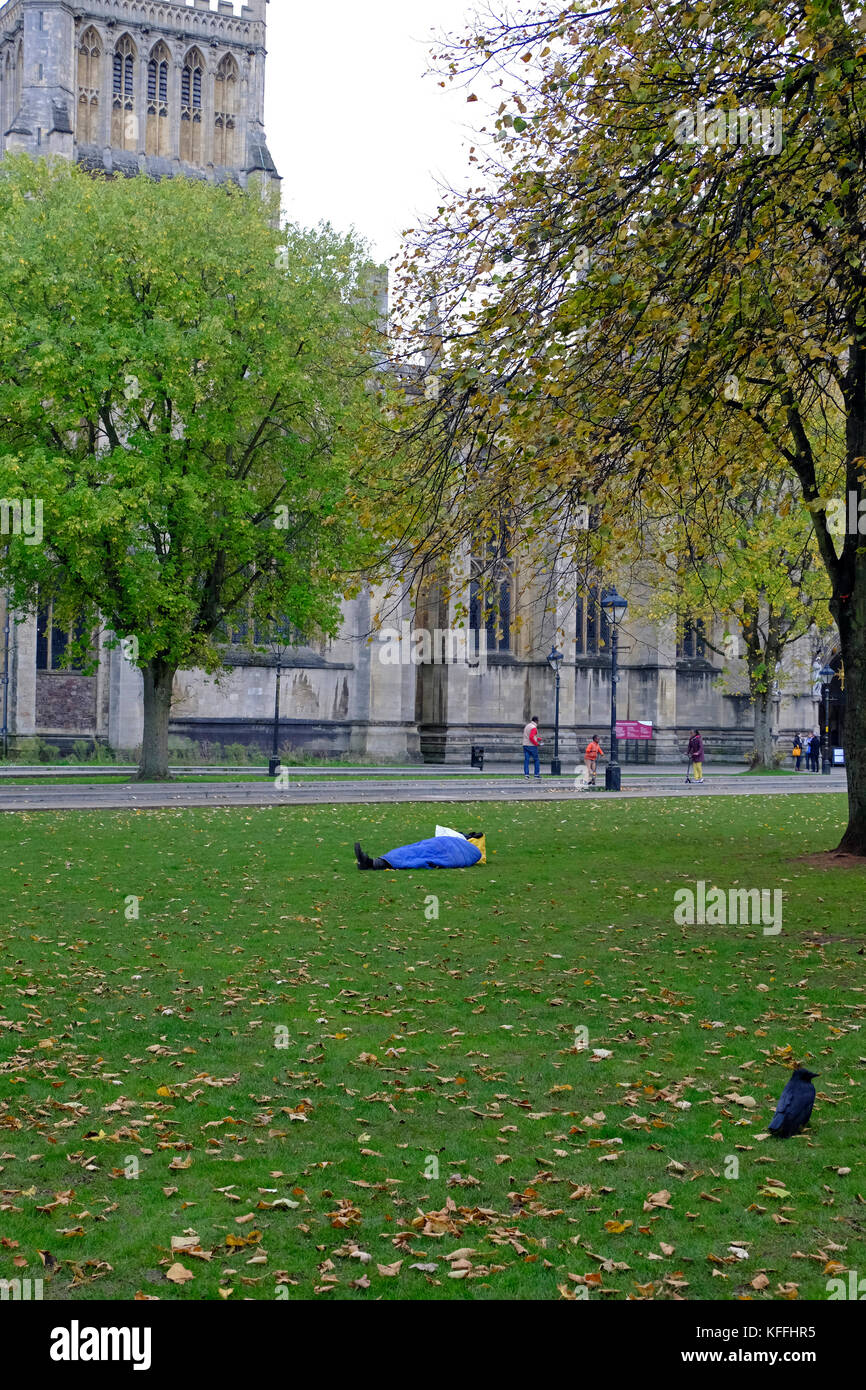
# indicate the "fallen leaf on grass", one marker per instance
pixel 658 1199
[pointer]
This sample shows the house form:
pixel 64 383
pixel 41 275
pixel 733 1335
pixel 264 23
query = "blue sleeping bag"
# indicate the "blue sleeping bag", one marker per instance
pixel 440 852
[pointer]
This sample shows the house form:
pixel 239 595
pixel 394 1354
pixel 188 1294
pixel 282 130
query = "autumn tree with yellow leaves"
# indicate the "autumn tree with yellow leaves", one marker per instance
pixel 666 234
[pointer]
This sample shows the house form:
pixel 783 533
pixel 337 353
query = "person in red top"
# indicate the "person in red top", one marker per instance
pixel 594 751
pixel 531 745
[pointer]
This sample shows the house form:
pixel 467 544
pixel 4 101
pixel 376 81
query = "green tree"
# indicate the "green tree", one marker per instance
pixel 667 232
pixel 184 388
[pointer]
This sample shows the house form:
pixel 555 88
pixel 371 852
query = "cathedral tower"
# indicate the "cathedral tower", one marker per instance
pixel 158 86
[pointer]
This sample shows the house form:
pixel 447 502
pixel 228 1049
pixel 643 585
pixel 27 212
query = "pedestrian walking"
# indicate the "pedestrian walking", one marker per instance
pixel 594 751
pixel 696 757
pixel 531 745
pixel 797 752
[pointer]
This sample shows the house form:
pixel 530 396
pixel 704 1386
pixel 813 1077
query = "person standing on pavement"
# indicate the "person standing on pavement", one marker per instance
pixel 594 751
pixel 814 751
pixel 696 755
pixel 797 752
pixel 531 745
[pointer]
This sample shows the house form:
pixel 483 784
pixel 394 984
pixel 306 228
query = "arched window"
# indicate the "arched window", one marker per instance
pixel 89 55
pixel 7 113
pixel 225 113
pixel 17 76
pixel 692 640
pixel 124 127
pixel 53 640
pixel 191 83
pixel 491 592
pixel 592 629
pixel 158 134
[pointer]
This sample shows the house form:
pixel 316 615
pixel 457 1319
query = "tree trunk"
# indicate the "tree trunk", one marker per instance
pixel 851 619
pixel 158 682
pixel 762 662
pixel 762 700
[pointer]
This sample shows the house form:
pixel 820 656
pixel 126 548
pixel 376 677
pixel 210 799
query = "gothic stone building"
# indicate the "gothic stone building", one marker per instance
pixel 161 86
pixel 169 88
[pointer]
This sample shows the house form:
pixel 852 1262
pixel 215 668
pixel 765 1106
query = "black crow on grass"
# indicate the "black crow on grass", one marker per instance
pixel 795 1104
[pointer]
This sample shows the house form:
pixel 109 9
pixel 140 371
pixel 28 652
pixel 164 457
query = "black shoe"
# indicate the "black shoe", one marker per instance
pixel 364 860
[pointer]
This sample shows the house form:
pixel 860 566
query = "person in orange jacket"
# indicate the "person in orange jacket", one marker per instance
pixel 594 751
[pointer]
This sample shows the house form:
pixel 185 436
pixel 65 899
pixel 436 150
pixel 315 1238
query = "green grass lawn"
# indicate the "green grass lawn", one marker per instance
pixel 330 1091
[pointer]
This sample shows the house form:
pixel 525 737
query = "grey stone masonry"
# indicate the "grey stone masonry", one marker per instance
pixel 161 87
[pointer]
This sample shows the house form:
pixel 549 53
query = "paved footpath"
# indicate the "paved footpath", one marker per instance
pixel 338 786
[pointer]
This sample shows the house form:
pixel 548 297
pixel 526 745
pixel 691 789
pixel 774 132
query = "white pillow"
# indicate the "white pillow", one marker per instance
pixel 453 834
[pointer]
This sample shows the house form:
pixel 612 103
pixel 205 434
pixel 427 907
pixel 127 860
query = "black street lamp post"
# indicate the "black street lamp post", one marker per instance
pixel 614 608
pixel 554 661
pixel 279 645
pixel 826 673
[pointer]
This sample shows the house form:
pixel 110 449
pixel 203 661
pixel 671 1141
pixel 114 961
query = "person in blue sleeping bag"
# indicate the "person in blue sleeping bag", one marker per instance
pixel 454 851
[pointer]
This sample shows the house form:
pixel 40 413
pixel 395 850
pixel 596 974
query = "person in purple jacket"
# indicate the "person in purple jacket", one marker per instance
pixel 696 757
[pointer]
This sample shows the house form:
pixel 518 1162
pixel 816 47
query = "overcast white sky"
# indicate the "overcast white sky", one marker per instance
pixel 357 131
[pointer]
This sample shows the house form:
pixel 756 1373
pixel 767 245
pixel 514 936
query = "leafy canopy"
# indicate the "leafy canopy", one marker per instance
pixel 184 389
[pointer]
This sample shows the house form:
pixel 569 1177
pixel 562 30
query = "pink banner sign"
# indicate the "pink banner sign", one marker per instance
pixel 634 728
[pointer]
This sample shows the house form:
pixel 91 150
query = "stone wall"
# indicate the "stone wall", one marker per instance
pixel 65 703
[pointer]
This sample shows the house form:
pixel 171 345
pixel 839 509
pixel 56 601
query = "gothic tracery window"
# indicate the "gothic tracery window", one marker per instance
pixel 89 56
pixel 491 592
pixel 592 630
pixel 191 84
pixel 8 113
pixel 692 640
pixel 124 127
pixel 158 138
pixel 54 639
pixel 225 112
